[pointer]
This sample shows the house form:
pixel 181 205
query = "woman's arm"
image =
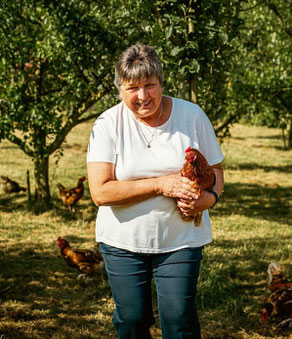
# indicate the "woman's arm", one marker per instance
pixel 206 200
pixel 219 185
pixel 106 190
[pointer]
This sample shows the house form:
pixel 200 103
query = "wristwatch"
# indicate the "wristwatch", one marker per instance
pixel 216 197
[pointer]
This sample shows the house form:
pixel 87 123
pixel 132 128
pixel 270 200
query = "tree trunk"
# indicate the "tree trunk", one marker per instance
pixel 42 197
pixel 193 88
pixel 28 187
pixel 289 127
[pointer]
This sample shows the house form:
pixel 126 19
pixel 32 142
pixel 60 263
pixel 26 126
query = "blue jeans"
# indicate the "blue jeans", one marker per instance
pixel 175 275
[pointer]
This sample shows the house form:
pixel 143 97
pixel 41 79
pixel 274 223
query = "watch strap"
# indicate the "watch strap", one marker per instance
pixel 216 197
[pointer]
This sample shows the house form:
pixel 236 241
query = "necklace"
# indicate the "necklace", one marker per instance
pixel 149 142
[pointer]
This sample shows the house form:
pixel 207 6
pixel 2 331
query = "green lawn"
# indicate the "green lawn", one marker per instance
pixel 41 298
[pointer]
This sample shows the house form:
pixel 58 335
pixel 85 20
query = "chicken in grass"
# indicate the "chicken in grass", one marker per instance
pixel 86 261
pixel 10 186
pixel 197 169
pixel 278 304
pixel 277 279
pixel 71 196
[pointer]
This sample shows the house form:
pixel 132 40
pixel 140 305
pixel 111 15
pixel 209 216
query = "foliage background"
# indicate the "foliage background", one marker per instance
pixel 57 60
pixel 56 75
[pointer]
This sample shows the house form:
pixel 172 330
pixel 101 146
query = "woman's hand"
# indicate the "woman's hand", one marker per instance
pixel 176 186
pixel 192 207
pixel 107 191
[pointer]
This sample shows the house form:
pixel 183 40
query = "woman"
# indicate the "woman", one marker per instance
pixel 135 154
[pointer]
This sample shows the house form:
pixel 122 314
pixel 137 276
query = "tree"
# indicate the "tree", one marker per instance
pixel 260 77
pixel 58 57
pixel 56 63
pixel 194 40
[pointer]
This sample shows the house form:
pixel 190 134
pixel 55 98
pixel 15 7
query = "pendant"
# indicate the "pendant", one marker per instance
pixel 149 146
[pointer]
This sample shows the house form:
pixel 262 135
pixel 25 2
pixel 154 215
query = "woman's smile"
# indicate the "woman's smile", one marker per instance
pixel 143 98
pixel 144 104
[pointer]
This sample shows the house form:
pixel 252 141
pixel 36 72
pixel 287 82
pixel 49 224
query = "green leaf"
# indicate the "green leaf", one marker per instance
pixel 223 38
pixel 168 31
pixel 194 66
pixel 176 51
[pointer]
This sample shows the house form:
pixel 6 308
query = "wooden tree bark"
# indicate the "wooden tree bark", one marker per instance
pixel 42 189
pixel 290 133
pixel 193 89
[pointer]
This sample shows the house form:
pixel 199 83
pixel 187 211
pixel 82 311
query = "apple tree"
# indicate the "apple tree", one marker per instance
pixel 56 62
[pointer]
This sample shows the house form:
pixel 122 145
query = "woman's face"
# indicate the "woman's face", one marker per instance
pixel 142 97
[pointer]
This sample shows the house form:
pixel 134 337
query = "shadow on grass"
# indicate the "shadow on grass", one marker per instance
pixel 234 284
pixel 9 202
pixel 84 209
pixel 39 291
pixel 254 166
pixel 251 200
pixel 256 201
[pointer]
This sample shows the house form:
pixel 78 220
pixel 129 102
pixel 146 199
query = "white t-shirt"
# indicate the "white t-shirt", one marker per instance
pixel 153 225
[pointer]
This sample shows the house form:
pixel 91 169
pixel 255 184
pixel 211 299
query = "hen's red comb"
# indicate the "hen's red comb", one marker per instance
pixel 188 149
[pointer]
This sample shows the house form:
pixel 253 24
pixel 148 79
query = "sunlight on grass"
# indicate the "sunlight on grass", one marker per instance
pixel 41 298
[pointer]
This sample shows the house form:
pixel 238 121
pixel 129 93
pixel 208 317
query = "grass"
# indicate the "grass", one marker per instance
pixel 39 294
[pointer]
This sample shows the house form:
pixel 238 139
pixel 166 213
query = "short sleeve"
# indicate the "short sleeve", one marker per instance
pixel 208 143
pixel 101 147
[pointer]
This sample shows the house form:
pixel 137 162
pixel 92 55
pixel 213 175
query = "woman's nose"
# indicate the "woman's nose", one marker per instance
pixel 142 93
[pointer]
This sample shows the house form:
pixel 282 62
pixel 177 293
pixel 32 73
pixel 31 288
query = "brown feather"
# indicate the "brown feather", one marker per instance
pixel 70 197
pixel 278 304
pixel 201 174
pixel 86 261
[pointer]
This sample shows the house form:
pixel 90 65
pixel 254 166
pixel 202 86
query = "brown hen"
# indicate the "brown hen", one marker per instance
pixel 86 261
pixel 197 169
pixel 278 304
pixel 71 196
pixel 10 186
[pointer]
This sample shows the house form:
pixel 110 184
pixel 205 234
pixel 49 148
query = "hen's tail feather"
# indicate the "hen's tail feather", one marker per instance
pixel 198 219
pixel 274 267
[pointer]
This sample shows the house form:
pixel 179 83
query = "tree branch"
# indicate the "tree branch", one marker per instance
pixel 74 119
pixel 274 9
pixel 51 91
pixel 15 140
pixel 250 8
pixel 232 118
pixel 82 75
pixel 39 81
pixel 92 116
pixel 62 134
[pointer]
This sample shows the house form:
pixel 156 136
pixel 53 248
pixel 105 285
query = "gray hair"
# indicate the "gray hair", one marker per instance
pixel 136 63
